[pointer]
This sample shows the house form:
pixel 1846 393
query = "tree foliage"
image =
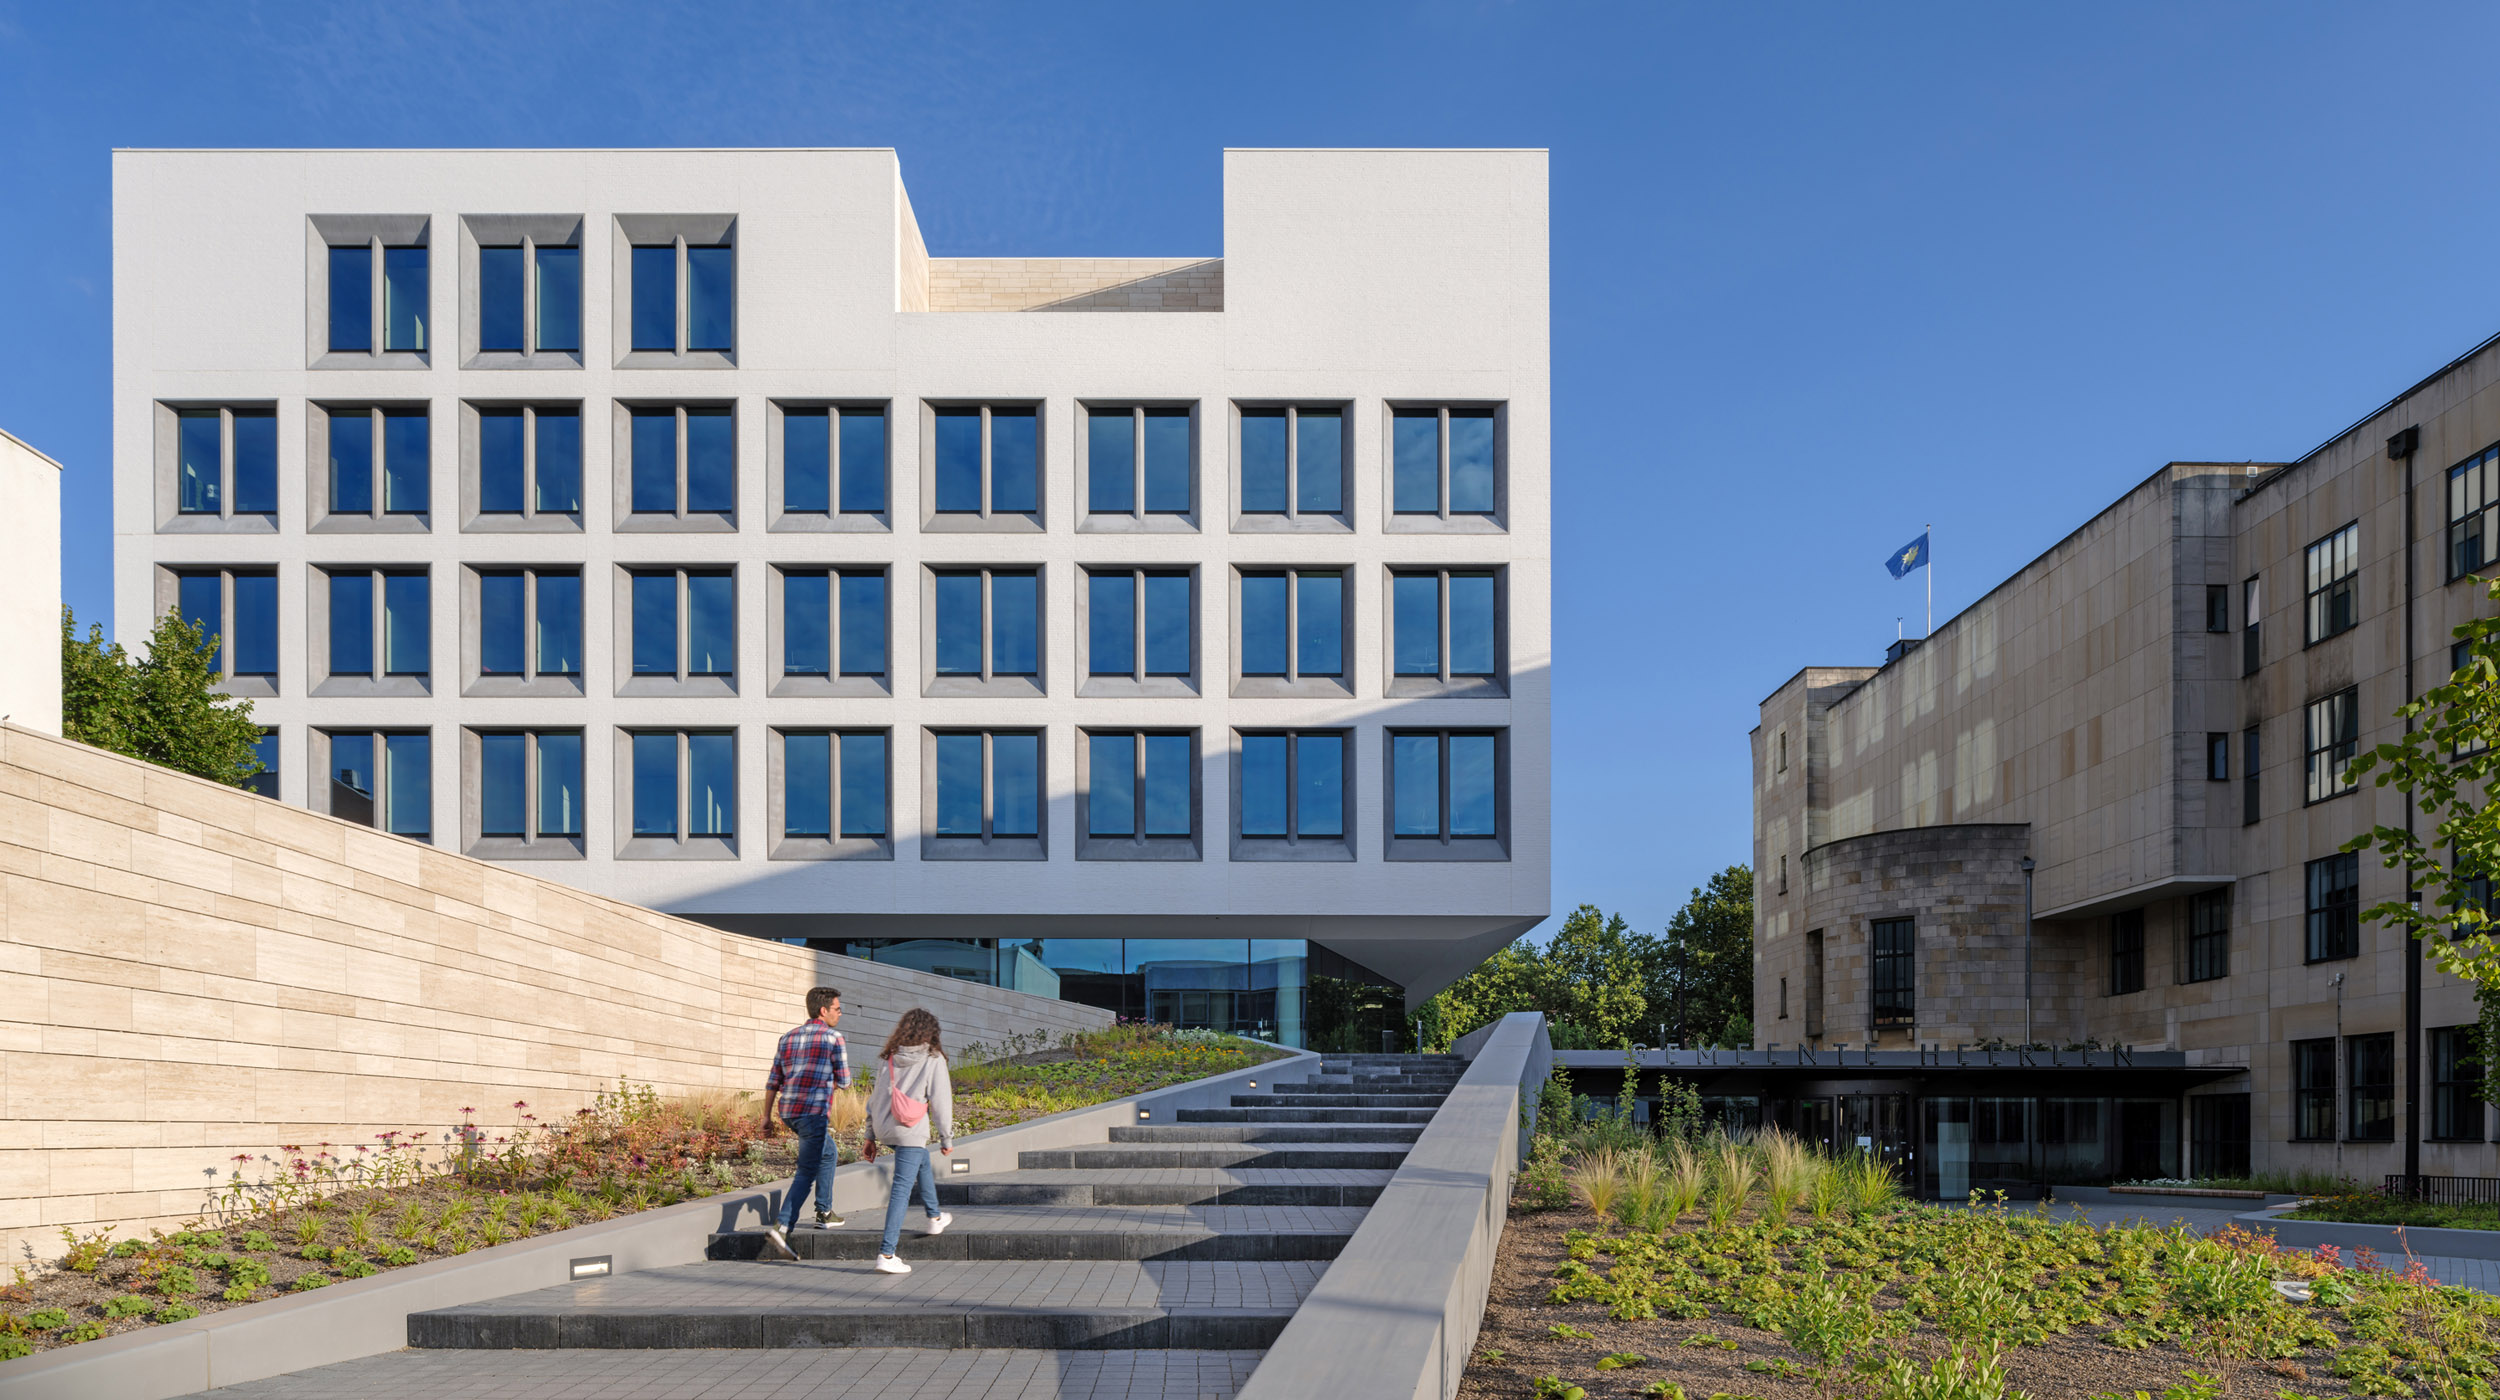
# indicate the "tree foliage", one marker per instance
pixel 162 707
pixel 1704 988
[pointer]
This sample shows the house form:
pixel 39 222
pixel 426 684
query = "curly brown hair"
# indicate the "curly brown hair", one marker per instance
pixel 918 1027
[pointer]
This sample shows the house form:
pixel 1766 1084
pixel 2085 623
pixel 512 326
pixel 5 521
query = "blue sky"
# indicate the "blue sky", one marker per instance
pixel 1822 274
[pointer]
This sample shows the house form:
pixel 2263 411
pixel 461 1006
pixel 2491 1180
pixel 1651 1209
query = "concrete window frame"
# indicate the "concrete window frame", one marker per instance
pixel 320 519
pixel 835 683
pixel 1444 521
pixel 532 844
pixel 989 684
pixel 1138 846
pixel 1137 520
pixel 987 520
pixel 1293 519
pixel 320 680
pixel 833 520
pixel 1448 685
pixel 835 846
pixel 531 682
pixel 680 231
pixel 621 470
pixel 1293 845
pixel 686 844
pixel 683 684
pixel 327 795
pixel 171 519
pixel 2331 567
pixel 253 685
pixel 1294 684
pixel 530 231
pixel 322 232
pixel 1445 846
pixel 988 845
pixel 1137 683
pixel 531 520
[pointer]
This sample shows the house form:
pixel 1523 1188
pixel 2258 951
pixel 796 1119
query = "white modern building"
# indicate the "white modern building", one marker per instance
pixel 1171 633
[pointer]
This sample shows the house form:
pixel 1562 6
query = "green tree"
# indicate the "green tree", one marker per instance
pixel 162 707
pixel 1592 978
pixel 1700 983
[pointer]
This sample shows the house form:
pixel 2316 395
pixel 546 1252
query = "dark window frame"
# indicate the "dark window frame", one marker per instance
pixel 2126 952
pixel 2332 908
pixel 2217 757
pixel 2217 607
pixel 2207 943
pixel 2456 1079
pixel 2331 573
pixel 2474 514
pixel 2370 1112
pixel 1892 972
pixel 2251 650
pixel 2314 1103
pixel 2330 741
pixel 2250 765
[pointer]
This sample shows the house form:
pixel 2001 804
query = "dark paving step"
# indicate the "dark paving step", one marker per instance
pixel 1124 1155
pixel 1336 1100
pixel 867 1373
pixel 1195 1233
pixel 1186 1186
pixel 1264 1132
pixel 1305 1115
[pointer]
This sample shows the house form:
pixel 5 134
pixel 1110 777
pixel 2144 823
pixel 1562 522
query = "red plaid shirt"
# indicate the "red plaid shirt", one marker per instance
pixel 808 1066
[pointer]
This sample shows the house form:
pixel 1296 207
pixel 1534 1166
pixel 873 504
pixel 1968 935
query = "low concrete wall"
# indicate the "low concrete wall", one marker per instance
pixel 189 973
pixel 2390 1242
pixel 1397 1313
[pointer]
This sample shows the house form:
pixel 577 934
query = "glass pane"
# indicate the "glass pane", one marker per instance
pixel 351 462
pixel 806 460
pixel 958 624
pixel 959 784
pixel 1471 461
pixel 655 624
pixel 1167 461
pixel 1320 441
pixel 1263 784
pixel 255 463
pixel 806 624
pixel 559 298
pixel 1111 461
pixel 1320 623
pixel 1015 784
pixel 1015 461
pixel 1167 785
pixel 406 617
pixel 1264 614
pixel 1111 624
pixel 503 784
pixel 1471 785
pixel 1265 473
pixel 265 753
pixel 559 624
pixel 863 461
pixel 655 785
pixel 1471 624
pixel 1319 785
pixel 807 785
pixel 200 451
pixel 502 623
pixel 958 458
pixel 711 461
pixel 351 624
pixel 500 466
pixel 863 624
pixel 711 625
pixel 351 767
pixel 655 461
pixel 406 464
pixel 351 298
pixel 1415 763
pixel 201 599
pixel 255 624
pixel 1111 785
pixel 863 785
pixel 559 784
pixel 1015 624
pixel 1415 478
pixel 501 312
pixel 559 462
pixel 712 784
pixel 711 298
pixel 1167 624
pixel 404 306
pixel 1416 603
pixel 408 784
pixel 655 298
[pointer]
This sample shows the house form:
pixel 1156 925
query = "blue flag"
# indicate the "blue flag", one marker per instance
pixel 1909 556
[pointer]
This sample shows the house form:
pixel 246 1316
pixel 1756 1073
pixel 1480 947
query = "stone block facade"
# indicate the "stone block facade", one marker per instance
pixel 1076 284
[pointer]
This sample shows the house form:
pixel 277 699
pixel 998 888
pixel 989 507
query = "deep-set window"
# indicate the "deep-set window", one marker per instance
pixel 1442 461
pixel 1293 623
pixel 2371 1067
pixel 833 622
pixel 529 461
pixel 2334 907
pixel 1444 624
pixel 529 784
pixel 988 784
pixel 2331 727
pixel 1293 786
pixel 529 623
pixel 2474 513
pixel 2217 607
pixel 1138 623
pixel 2218 758
pixel 1139 786
pixel 833 460
pixel 381 623
pixel 2249 647
pixel 383 779
pixel 987 460
pixel 373 280
pixel 2333 566
pixel 236 611
pixel 529 297
pixel 834 784
pixel 685 623
pixel 1137 462
pixel 987 622
pixel 226 461
pixel 2313 1090
pixel 685 461
pixel 1445 785
pixel 1892 971
pixel 380 461
pixel 1293 461
pixel 2126 952
pixel 684 784
pixel 2209 936
pixel 2248 776
pixel 2456 1085
pixel 684 297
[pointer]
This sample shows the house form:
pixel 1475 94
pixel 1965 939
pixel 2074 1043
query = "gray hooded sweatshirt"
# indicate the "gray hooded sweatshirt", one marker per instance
pixel 922 1076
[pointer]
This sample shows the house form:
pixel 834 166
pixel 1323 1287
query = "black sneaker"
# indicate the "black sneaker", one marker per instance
pixel 827 1220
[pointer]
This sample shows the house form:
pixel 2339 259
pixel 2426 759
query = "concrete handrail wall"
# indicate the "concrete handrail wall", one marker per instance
pixel 1398 1311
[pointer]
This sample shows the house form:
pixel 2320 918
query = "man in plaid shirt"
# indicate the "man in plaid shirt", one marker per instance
pixel 808 1066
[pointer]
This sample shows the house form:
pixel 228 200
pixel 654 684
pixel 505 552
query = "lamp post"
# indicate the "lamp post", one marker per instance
pixel 2026 950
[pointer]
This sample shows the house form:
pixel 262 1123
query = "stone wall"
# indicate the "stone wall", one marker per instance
pixel 1963 887
pixel 1076 284
pixel 189 972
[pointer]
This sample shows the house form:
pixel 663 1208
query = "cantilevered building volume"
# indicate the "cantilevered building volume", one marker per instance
pixel 1168 633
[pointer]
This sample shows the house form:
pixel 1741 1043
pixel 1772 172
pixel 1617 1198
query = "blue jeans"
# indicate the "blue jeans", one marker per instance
pixel 818 1156
pixel 911 1168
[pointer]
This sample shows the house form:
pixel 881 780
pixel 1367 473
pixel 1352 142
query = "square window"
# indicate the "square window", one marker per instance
pixel 1292 796
pixel 1139 468
pixel 830 467
pixel 529 794
pixel 982 469
pixel 380 778
pixel 682 632
pixel 1140 632
pixel 678 791
pixel 379 624
pixel 1445 632
pixel 1290 631
pixel 223 464
pixel 678 467
pixel 526 632
pixel 368 291
pixel 1447 795
pixel 2474 514
pixel 236 611
pixel 525 467
pixel 1140 796
pixel 832 634
pixel 983 793
pixel 984 633
pixel 833 795
pixel 1445 466
pixel 374 467
pixel 679 277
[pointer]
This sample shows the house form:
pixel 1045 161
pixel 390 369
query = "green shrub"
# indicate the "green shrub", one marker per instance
pixel 176 1312
pixel 259 1242
pixel 13 1346
pixel 46 1319
pixel 309 1282
pixel 129 1305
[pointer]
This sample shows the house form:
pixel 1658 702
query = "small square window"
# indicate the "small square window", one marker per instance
pixel 981 467
pixel 829 467
pixel 1292 467
pixel 378 778
pixel 521 292
pixel 236 611
pixel 1446 467
pixel 372 468
pixel 1293 795
pixel 1139 467
pixel 677 794
pixel 679 286
pixel 217 468
pixel 369 291
pixel 1448 795
pixel 522 631
pixel 830 631
pixel 677 467
pixel 981 795
pixel 982 631
pixel 1446 632
pixel 522 467
pixel 527 797
pixel 1139 795
pixel 830 795
pixel 376 627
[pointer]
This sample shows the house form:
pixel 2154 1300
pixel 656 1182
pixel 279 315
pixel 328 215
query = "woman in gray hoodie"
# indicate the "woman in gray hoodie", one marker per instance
pixel 914 1097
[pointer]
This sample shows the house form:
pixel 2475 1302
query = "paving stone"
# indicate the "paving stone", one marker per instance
pixel 911 1373
pixel 1202 1233
pixel 1181 1186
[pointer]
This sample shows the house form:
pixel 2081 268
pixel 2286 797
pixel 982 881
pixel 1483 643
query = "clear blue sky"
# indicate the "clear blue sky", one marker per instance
pixel 1821 274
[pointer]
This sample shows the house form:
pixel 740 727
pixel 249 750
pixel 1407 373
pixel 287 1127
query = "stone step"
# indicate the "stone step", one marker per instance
pixel 1327 1085
pixel 1182 1186
pixel 1403 1063
pixel 1194 1233
pixel 1264 1132
pixel 1067 1305
pixel 1304 1115
pixel 865 1373
pixel 1337 1100
pixel 1116 1156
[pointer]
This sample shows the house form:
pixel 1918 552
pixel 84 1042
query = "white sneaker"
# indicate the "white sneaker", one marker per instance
pixel 939 1222
pixel 776 1245
pixel 888 1264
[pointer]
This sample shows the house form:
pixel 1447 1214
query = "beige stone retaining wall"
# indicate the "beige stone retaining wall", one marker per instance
pixel 1076 284
pixel 189 972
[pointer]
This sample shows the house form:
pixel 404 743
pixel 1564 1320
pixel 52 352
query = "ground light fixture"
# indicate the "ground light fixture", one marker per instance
pixel 597 1266
pixel 960 1165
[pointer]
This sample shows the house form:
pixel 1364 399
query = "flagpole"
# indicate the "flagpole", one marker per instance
pixel 1931 580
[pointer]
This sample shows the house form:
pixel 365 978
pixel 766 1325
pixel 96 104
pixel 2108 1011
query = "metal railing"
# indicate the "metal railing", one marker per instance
pixel 2444 1190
